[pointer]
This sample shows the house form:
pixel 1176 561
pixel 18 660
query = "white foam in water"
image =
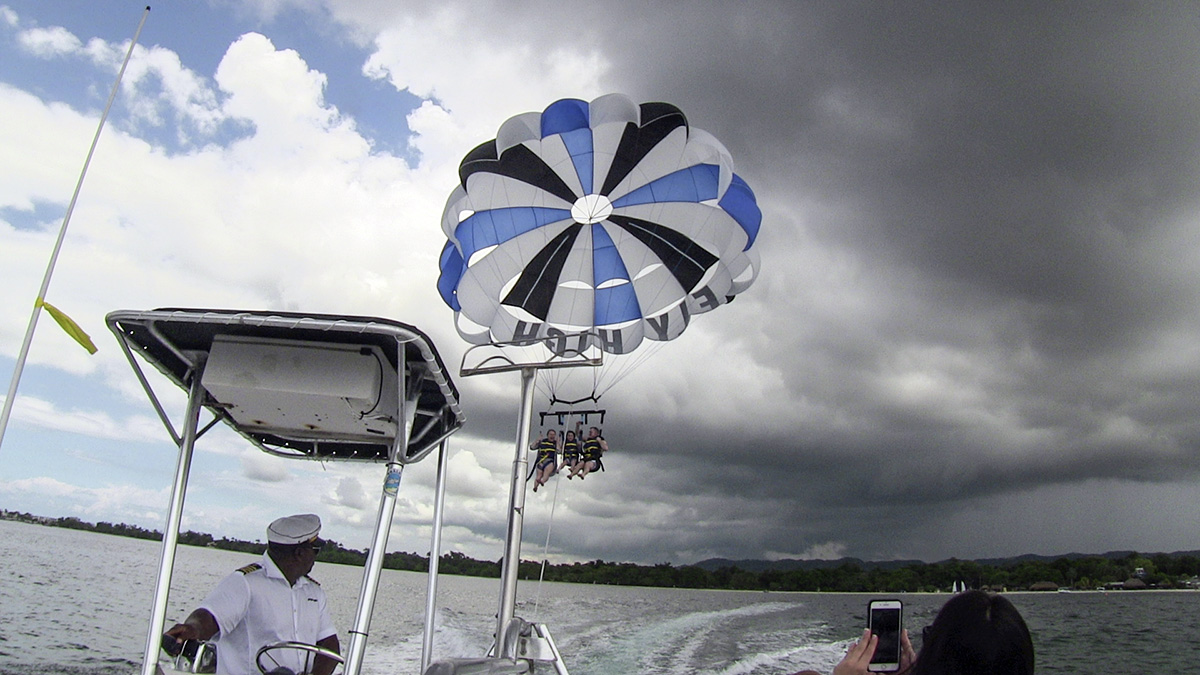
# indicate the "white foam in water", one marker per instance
pixel 786 649
pixel 452 637
pixel 387 659
pixel 670 647
pixel 455 636
pixel 820 657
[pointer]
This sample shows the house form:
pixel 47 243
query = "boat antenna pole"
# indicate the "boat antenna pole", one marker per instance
pixel 62 233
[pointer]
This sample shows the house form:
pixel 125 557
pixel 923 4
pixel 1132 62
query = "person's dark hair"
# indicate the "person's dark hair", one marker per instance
pixel 977 633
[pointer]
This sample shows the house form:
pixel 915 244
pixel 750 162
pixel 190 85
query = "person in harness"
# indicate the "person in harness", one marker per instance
pixel 546 462
pixel 593 447
pixel 572 453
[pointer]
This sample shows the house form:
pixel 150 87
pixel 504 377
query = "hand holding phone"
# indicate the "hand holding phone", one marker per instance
pixel 885 618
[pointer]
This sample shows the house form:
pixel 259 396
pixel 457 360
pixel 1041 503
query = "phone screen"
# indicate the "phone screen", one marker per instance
pixel 885 623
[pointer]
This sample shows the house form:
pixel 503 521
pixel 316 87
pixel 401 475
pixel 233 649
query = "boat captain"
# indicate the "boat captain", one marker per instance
pixel 267 602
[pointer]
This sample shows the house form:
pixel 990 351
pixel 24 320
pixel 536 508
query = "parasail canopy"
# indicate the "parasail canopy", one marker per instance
pixel 606 221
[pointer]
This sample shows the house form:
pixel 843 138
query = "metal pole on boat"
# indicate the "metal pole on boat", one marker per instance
pixel 183 467
pixel 383 523
pixel 435 553
pixel 62 233
pixel 516 512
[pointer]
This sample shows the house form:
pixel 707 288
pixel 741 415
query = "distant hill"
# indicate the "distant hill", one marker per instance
pixel 788 564
pixel 1111 555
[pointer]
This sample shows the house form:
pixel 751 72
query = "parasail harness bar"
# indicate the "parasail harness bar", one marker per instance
pixel 540 354
pixel 563 415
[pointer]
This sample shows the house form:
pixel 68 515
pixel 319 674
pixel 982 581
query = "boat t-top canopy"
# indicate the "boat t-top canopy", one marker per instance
pixel 301 385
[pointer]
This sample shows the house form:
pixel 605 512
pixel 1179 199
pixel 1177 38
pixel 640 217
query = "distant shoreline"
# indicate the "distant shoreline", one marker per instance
pixel 1129 572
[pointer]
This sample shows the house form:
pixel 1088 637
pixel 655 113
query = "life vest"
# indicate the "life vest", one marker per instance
pixel 571 450
pixel 592 449
pixel 546 450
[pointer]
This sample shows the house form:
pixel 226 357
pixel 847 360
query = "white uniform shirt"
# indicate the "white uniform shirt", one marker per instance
pixel 259 607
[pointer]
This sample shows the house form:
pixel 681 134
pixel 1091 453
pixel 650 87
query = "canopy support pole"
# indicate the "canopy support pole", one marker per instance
pixel 516 513
pixel 166 566
pixel 435 554
pixel 383 522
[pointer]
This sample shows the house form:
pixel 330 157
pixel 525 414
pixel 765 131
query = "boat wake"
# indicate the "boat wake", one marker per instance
pixel 750 640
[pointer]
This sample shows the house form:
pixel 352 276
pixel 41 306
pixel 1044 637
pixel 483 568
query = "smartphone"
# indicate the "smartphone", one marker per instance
pixel 885 618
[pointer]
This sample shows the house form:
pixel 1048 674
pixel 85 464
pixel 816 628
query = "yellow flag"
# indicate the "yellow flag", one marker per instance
pixel 69 325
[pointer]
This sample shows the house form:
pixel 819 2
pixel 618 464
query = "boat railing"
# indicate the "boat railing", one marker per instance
pixel 194 656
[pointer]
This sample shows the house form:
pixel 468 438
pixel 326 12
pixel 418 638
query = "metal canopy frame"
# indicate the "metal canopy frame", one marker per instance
pixel 179 343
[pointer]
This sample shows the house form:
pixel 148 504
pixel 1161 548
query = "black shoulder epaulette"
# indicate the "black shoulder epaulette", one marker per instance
pixel 250 568
pixel 312 580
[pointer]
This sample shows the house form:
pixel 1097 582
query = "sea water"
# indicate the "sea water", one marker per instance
pixel 77 603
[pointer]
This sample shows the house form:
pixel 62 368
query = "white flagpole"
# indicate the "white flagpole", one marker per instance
pixel 62 233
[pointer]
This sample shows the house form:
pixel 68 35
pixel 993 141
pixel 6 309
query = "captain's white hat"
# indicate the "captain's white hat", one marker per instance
pixel 294 529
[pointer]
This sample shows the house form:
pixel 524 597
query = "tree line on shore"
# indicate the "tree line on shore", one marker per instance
pixel 1159 570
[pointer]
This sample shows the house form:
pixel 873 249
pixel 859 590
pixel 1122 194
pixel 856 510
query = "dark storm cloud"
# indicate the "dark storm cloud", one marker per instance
pixel 980 268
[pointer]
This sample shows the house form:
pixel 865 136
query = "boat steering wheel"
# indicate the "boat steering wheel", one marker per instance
pixel 313 651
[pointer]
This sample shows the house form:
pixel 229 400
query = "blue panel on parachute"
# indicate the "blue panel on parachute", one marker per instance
pixel 566 115
pixel 740 204
pixel 693 184
pixel 606 259
pixel 496 226
pixel 579 145
pixel 613 304
pixel 452 267
pixel 616 304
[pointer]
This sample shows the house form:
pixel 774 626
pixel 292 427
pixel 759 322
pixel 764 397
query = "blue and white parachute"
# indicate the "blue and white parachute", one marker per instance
pixel 607 217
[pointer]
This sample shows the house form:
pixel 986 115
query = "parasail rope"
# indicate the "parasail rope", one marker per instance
pixel 570 413
pixel 623 366
pixel 551 383
pixel 537 598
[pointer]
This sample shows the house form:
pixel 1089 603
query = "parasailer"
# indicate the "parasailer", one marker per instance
pixel 593 447
pixel 545 464
pixel 571 453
